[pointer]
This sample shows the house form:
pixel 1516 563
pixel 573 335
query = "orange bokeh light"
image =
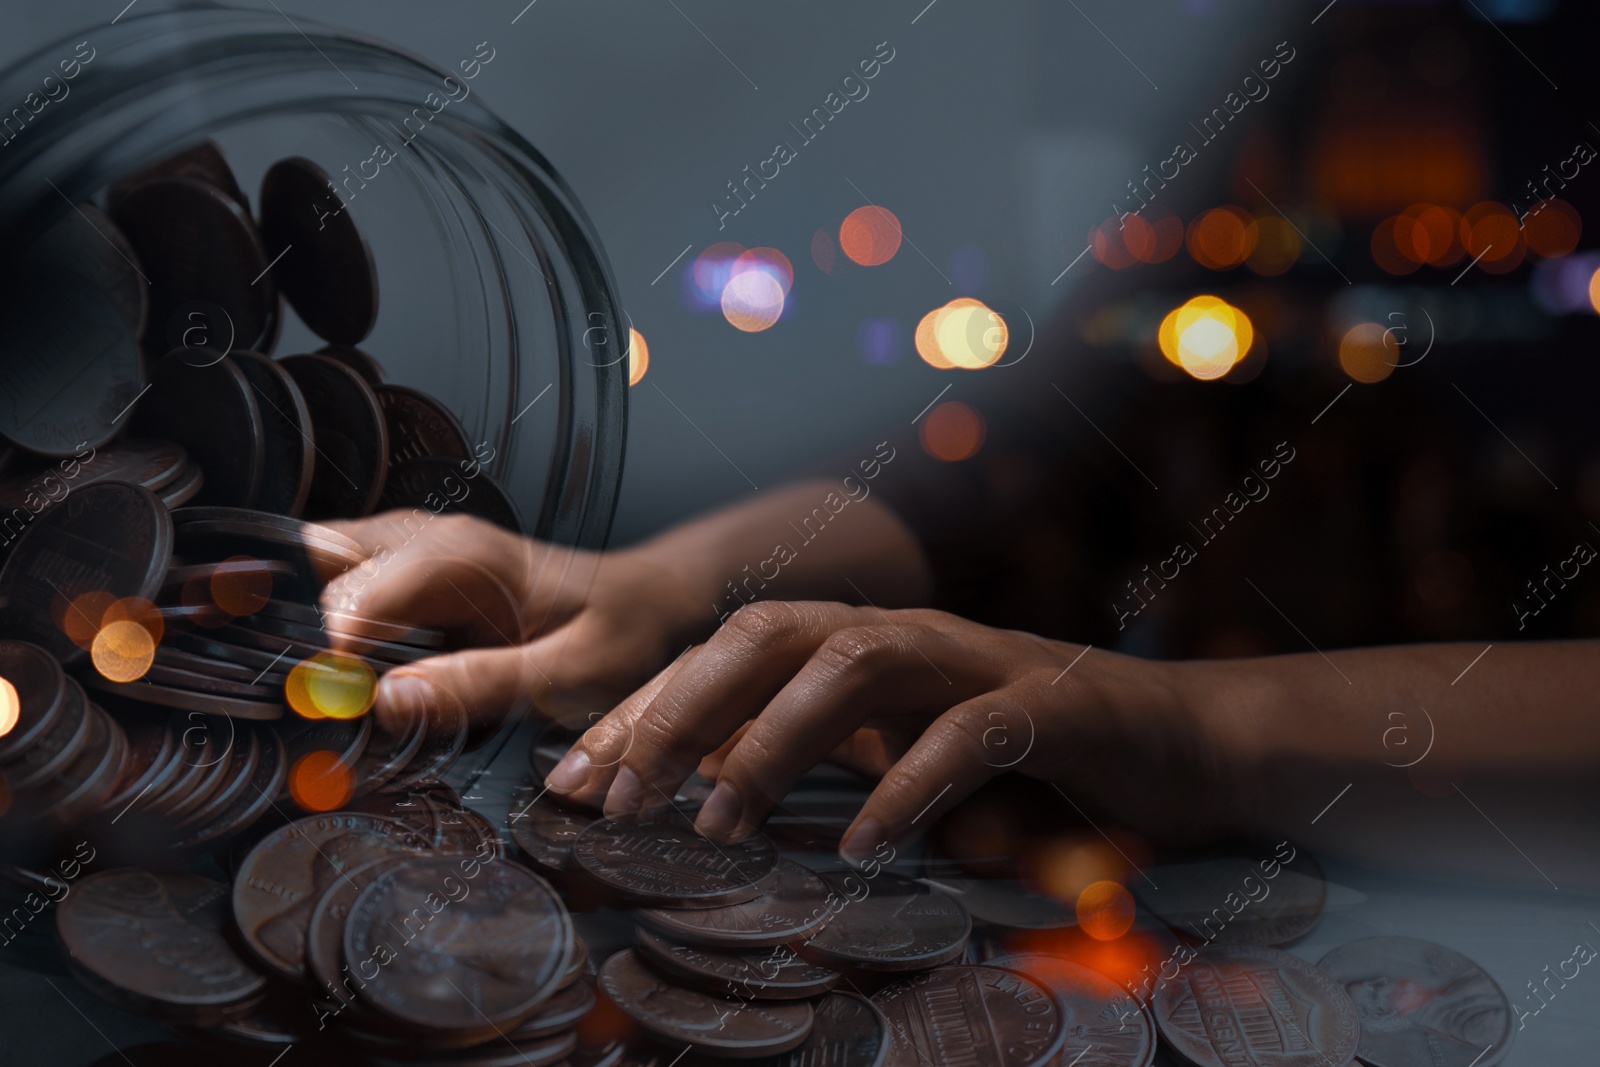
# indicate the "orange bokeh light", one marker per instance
pixel 1594 291
pixel 1110 244
pixel 1153 236
pixel 81 618
pixel 1552 228
pixel 964 334
pixel 241 586
pixel 1428 233
pixel 1065 868
pixel 1364 353
pixel 1492 237
pixel 138 610
pixel 1205 336
pixel 123 651
pixel 638 356
pixel 1222 238
pixel 1130 960
pixel 10 707
pixel 870 235
pixel 952 432
pixel 319 782
pixel 1105 910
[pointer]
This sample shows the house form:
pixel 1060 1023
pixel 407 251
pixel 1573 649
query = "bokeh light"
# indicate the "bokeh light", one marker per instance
pixel 241 586
pixel 1594 290
pixel 1065 867
pixel 136 609
pixel 1364 353
pixel 870 235
pixel 638 356
pixel 1222 238
pixel 769 260
pixel 964 334
pixel 1386 252
pixel 881 341
pixel 823 251
pixel 81 617
pixel 1153 235
pixel 10 706
pixel 123 651
pixel 1206 336
pixel 1492 237
pixel 1277 247
pixel 331 685
pixel 1105 910
pixel 1109 241
pixel 1428 233
pixel 952 432
pixel 709 273
pixel 752 301
pixel 1552 228
pixel 318 781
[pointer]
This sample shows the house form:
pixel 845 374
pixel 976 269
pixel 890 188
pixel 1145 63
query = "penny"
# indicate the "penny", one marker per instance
pixel 542 829
pixel 72 363
pixel 84 785
pixel 205 262
pixel 284 875
pixel 152 464
pixel 292 650
pixel 548 1052
pixel 228 531
pixel 40 688
pixel 369 369
pixel 321 261
pixel 444 485
pixel 204 162
pixel 325 932
pixel 155 942
pixel 387 754
pixel 352 442
pixel 165 696
pixel 57 747
pixel 664 861
pixel 211 646
pixel 561 1012
pixel 181 678
pixel 419 426
pixel 1105 1027
pixel 790 910
pixel 356 626
pixel 889 923
pixel 180 576
pixel 86 242
pixel 491 947
pixel 345 738
pixel 773 974
pixel 1421 1004
pixel 152 763
pixel 446 740
pixel 316 637
pixel 1249 1003
pixel 184 488
pixel 979 1015
pixel 1008 903
pixel 271 769
pixel 1253 894
pixel 849 1032
pixel 716 1026
pixel 169 655
pixel 205 403
pixel 208 744
pixel 287 456
pixel 238 760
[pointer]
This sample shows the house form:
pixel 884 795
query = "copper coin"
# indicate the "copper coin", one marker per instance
pixel 205 262
pixel 453 486
pixel 664 861
pixel 40 688
pixel 152 761
pixel 72 363
pixel 287 454
pixel 325 933
pixel 84 785
pixel 180 576
pixel 345 738
pixel 546 1052
pixel 716 1026
pixel 1255 893
pixel 154 942
pixel 543 829
pixel 978 1015
pixel 463 954
pixel 292 651
pixel 356 626
pixel 387 754
pixel 560 1013
pixel 352 442
pixel 792 909
pixel 446 740
pixel 152 464
pixel 369 369
pixel 849 1032
pixel 240 756
pixel 322 262
pixel 57 747
pixel 420 426
pixel 889 923
pixel 284 875
pixel 1105 1027
pixel 211 646
pixel 208 743
pixel 770 974
pixel 111 537
pixel 166 696
pixel 204 402
pixel 1238 1003
pixel 203 162
pixel 265 531
pixel 192 732
pixel 271 769
pixel 168 655
pixel 199 682
pixel 184 488
pixel 1421 1004
pixel 86 242
pixel 315 637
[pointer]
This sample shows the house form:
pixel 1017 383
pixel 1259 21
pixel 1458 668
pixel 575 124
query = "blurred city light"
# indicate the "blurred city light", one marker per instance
pixel 1206 336
pixel 1365 353
pixel 952 432
pixel 638 356
pixel 870 235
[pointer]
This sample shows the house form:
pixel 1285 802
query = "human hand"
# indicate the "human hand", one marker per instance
pixel 935 704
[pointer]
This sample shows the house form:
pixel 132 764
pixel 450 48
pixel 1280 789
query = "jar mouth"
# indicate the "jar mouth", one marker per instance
pixel 491 259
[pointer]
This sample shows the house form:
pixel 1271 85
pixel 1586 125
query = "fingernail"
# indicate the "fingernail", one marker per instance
pixel 626 793
pixel 570 772
pixel 857 848
pixel 403 699
pixel 720 814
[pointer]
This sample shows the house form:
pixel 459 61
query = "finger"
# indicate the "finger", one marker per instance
pixel 487 683
pixel 952 758
pixel 591 667
pixel 881 671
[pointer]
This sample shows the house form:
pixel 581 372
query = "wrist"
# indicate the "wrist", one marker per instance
pixel 1232 705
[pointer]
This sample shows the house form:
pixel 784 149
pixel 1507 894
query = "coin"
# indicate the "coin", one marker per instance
pixel 184 488
pixel 849 1032
pixel 205 262
pixel 203 162
pixel 1230 898
pixel 1247 1003
pixel 287 457
pixel 153 761
pixel 345 738
pixel 152 464
pixel 356 626
pixel 420 426
pixel 446 740
pixel 370 369
pixel 287 871
pixel 716 1026
pixel 205 403
pixel 1421 1004
pixel 561 1012
pixel 352 442
pixel 165 696
pixel 40 687
pixel 889 923
pixel 463 954
pixel 664 861
pixel 226 530
pixel 1007 902
pixel 542 829
pixel 386 755
pixel 58 746
pixel 86 242
pixel 239 756
pixel 219 648
pixel 1101 1029
pixel 548 1052
pixel 974 1014
pixel 321 261
pixel 325 932
pixel 169 655
pixel 199 682
pixel 83 786
pixel 792 909
pixel 771 974
pixel 72 363
pixel 445 485
pixel 154 942
pixel 271 769
pixel 315 637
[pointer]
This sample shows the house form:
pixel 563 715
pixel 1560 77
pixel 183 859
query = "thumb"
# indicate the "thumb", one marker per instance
pixel 486 683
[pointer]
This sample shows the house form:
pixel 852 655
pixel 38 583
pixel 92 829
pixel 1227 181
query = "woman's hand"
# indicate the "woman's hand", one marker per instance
pixel 933 703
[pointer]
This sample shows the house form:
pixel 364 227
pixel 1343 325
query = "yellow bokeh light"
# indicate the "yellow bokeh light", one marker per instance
pixel 1206 336
pixel 752 301
pixel 1365 354
pixel 965 334
pixel 1105 910
pixel 638 356
pixel 10 707
pixel 330 685
pixel 123 651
